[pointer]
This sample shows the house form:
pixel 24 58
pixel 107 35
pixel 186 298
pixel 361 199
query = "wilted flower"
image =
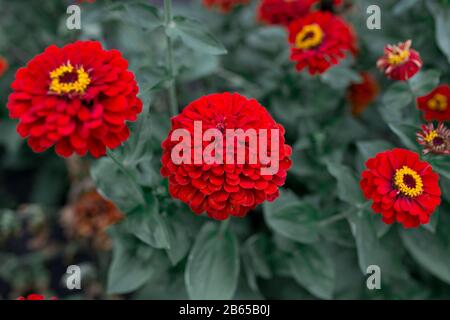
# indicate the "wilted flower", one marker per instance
pixel 403 188
pixel 400 62
pixel 436 104
pixel 90 216
pixel 224 5
pixel 434 140
pixel 283 12
pixel 230 187
pixel 319 41
pixel 362 94
pixel 78 98
pixel 3 66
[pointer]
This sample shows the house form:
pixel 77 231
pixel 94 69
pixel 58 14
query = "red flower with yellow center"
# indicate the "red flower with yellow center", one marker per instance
pixel 434 140
pixel 231 187
pixel 400 62
pixel 436 104
pixel 362 94
pixel 283 12
pixel 224 5
pixel 3 66
pixel 403 188
pixel 78 98
pixel 319 41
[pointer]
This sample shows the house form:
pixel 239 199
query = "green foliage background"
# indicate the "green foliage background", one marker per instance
pixel 315 241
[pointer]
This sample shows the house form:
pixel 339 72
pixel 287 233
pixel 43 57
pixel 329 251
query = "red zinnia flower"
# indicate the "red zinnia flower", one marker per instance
pixel 403 188
pixel 224 5
pixel 436 104
pixel 283 12
pixel 3 66
pixel 400 62
pixel 362 94
pixel 226 189
pixel 436 141
pixel 78 98
pixel 35 296
pixel 319 41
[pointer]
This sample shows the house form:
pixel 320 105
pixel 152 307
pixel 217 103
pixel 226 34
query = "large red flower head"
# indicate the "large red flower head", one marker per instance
pixel 436 104
pixel 283 12
pixel 78 98
pixel 319 41
pixel 224 5
pixel 400 62
pixel 3 65
pixel 403 188
pixel 362 94
pixel 229 176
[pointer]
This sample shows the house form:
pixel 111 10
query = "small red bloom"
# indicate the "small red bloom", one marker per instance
pixel 230 187
pixel 283 12
pixel 224 5
pixel 78 98
pixel 400 62
pixel 434 140
pixel 403 188
pixel 362 94
pixel 436 104
pixel 35 296
pixel 3 66
pixel 319 41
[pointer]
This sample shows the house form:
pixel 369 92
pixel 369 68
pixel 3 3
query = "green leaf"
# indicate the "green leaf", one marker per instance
pixel 178 238
pixel 397 96
pixel 113 184
pixel 371 248
pixel 195 36
pixel 369 149
pixel 347 184
pixel 403 5
pixel 254 256
pixel 296 221
pixel 148 225
pixel 212 270
pixel 441 165
pixel 143 15
pixel 131 264
pixel 340 77
pixel 432 224
pixel 424 82
pixel 441 13
pixel 431 251
pixel 406 133
pixel 313 269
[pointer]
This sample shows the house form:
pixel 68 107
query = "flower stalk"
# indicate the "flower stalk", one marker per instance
pixel 168 21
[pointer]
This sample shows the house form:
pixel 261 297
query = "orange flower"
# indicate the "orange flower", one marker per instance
pixel 3 66
pixel 360 95
pixel 90 216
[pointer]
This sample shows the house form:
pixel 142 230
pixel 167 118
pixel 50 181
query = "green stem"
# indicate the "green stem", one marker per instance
pixel 332 219
pixel 224 226
pixel 173 103
pixel 128 175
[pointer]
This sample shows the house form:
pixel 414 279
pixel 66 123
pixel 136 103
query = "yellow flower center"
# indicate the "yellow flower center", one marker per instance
pixel 398 56
pixel 67 79
pixel 438 102
pixel 408 182
pixel 310 36
pixel 430 136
